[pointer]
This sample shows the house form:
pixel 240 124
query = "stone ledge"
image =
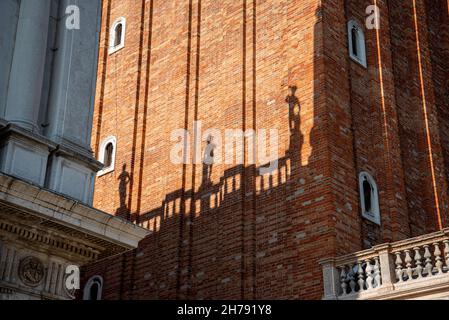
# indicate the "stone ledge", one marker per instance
pixel 69 213
pixel 60 162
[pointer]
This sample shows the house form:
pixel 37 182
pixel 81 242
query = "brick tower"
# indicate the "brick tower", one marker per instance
pixel 362 119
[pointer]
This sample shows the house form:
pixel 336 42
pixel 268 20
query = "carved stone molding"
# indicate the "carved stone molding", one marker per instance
pixel 51 240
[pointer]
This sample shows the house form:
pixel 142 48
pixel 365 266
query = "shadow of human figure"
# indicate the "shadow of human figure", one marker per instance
pixel 294 149
pixel 207 163
pixel 124 180
pixel 208 160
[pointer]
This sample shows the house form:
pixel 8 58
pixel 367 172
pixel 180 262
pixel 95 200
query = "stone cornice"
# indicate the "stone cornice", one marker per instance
pixel 65 245
pixel 9 129
pixel 69 213
pixel 66 148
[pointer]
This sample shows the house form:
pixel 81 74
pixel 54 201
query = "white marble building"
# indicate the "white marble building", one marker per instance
pixel 47 169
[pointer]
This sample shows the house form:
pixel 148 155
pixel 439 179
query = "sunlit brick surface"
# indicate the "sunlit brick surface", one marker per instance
pixel 229 64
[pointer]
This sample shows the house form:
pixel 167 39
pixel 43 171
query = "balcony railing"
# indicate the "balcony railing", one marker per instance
pixel 409 269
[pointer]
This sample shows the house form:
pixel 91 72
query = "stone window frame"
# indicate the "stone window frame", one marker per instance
pixel 360 57
pixel 93 280
pixel 112 36
pixel 374 214
pixel 110 140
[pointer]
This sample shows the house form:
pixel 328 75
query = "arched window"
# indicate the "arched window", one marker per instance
pixel 107 152
pixel 117 35
pixel 369 198
pixel 93 289
pixel 357 47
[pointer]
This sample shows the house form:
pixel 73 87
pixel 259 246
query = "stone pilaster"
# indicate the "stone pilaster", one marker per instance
pixel 71 102
pixel 28 64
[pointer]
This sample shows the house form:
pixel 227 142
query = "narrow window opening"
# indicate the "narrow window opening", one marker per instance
pixel 118 35
pixel 367 193
pixel 369 198
pixel 94 289
pixel 108 150
pixel 108 154
pixel 355 41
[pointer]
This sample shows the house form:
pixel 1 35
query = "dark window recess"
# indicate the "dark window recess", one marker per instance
pixel 354 34
pixel 118 35
pixel 367 194
pixel 108 153
pixel 94 288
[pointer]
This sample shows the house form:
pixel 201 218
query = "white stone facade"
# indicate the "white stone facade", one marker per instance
pixel 47 169
pixel 53 232
pixel 47 85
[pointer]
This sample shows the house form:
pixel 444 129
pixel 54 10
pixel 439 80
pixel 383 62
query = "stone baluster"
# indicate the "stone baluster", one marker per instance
pixel 369 275
pixel 343 277
pixel 408 264
pixel 438 258
pixel 361 274
pixel 377 273
pixel 428 257
pixel 418 262
pixel 398 263
pixel 351 277
pixel 446 252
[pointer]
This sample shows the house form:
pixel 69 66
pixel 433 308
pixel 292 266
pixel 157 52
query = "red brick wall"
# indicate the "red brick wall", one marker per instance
pixel 229 64
pixel 420 123
pixel 437 15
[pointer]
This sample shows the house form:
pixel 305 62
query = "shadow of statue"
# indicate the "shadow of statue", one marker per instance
pixel 207 167
pixel 294 149
pixel 208 160
pixel 124 180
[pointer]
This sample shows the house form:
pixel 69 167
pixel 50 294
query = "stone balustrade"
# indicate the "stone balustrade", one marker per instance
pixel 409 269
